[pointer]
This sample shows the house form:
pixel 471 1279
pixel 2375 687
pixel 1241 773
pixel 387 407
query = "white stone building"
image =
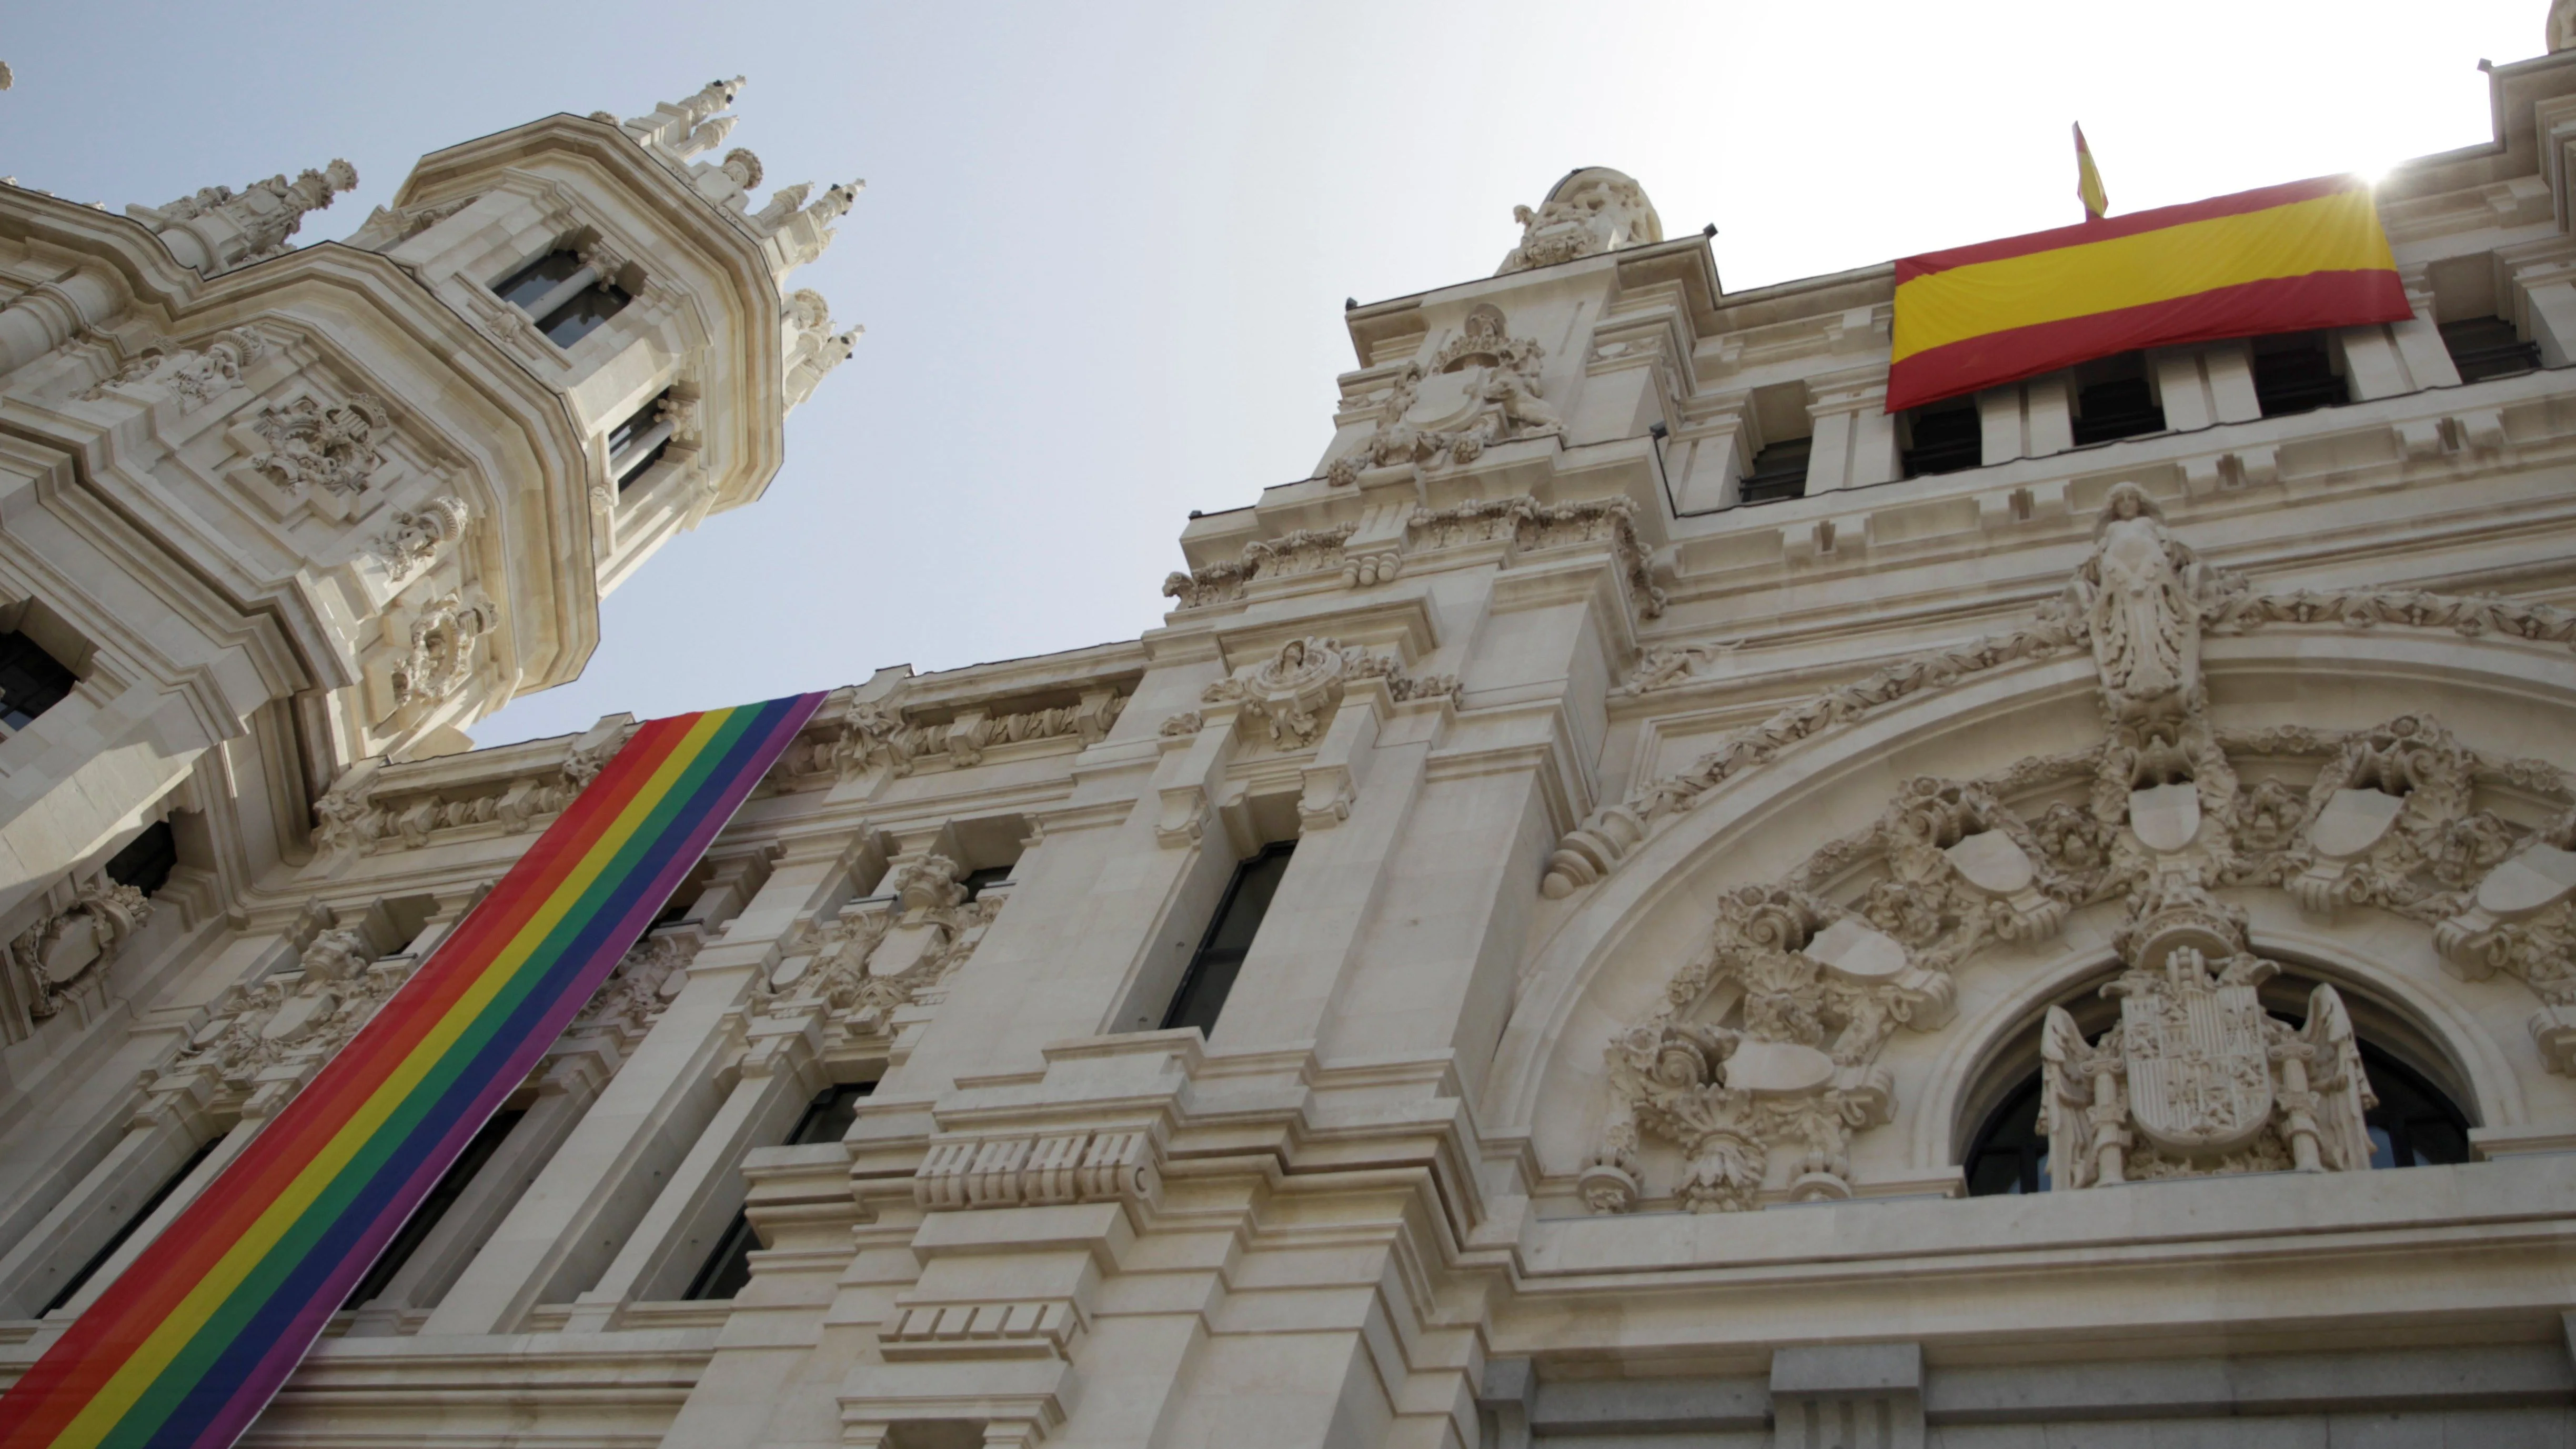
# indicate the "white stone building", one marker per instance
pixel 1592 922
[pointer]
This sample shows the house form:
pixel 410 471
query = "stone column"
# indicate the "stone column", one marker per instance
pixel 49 314
pixel 1704 463
pixel 2418 338
pixel 780 1073
pixel 1855 439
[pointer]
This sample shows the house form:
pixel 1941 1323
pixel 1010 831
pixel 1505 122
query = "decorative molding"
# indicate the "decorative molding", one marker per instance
pixel 1529 525
pixel 1076 1166
pixel 1307 550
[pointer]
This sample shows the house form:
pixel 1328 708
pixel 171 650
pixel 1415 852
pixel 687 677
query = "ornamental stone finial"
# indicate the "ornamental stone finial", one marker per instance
pixel 1591 211
pixel 218 229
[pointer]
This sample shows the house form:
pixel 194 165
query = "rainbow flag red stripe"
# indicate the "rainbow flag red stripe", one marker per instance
pixel 192 1340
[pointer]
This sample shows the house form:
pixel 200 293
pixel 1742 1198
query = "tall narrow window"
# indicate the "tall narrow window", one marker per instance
pixel 638 443
pixel 2485 347
pixel 566 295
pixel 2294 374
pixel 126 1229
pixel 827 1119
pixel 1210 978
pixel 147 860
pixel 1779 472
pixel 2113 399
pixel 1943 438
pixel 31 680
pixel 424 1219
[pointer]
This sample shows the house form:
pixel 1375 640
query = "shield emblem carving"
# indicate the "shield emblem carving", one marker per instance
pixel 2200 1079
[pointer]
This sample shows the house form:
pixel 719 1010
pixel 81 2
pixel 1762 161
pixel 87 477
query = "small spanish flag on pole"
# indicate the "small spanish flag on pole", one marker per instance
pixel 2088 181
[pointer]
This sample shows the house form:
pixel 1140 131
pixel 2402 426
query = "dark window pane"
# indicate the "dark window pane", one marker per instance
pixel 637 424
pixel 524 286
pixel 2011 1150
pixel 147 860
pixel 1779 472
pixel 581 316
pixel 2484 347
pixel 636 470
pixel 729 1266
pixel 2294 375
pixel 828 1117
pixel 2120 407
pixel 126 1229
pixel 424 1219
pixel 1229 939
pixel 31 682
pixel 1947 437
pixel 978 881
pixel 2415 1123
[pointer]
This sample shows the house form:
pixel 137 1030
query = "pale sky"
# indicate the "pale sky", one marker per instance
pixel 1103 250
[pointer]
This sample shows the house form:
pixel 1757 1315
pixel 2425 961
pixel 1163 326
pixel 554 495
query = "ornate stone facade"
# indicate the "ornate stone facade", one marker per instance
pixel 2076 949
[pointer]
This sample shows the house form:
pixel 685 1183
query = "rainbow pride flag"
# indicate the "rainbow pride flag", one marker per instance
pixel 191 1341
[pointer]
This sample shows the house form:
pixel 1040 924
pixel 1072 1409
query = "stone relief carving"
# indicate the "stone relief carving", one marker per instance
pixel 267 1037
pixel 1481 388
pixel 1076 1166
pixel 193 375
pixel 1766 1037
pixel 67 947
pixel 444 636
pixel 1590 212
pixel 874 736
pixel 1187 722
pixel 1529 524
pixel 1305 550
pixel 389 227
pixel 411 542
pixel 330 447
pixel 356 814
pixel 875 958
pixel 1613 831
pixel 1290 691
pixel 638 990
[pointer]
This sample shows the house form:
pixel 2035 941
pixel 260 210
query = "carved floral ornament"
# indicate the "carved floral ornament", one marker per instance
pixel 1481 388
pixel 1766 1041
pixel 1289 692
pixel 876 957
pixel 356 814
pixel 1595 210
pixel 194 375
pixel 326 446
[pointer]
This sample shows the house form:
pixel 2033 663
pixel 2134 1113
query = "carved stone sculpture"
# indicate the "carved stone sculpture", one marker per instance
pixel 412 541
pixel 1481 388
pixel 1290 691
pixel 441 657
pixel 870 960
pixel 1590 212
pixel 67 947
pixel 217 228
pixel 331 448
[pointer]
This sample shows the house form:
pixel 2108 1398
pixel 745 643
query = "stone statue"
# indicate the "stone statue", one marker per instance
pixel 2139 598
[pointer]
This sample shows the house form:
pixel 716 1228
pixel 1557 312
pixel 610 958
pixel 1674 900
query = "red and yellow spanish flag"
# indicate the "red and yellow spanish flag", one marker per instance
pixel 2281 259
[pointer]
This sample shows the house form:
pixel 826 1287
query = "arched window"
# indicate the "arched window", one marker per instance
pixel 2416 1124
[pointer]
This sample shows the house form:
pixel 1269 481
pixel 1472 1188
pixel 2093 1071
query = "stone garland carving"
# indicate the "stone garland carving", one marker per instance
pixel 1600 211
pixel 194 375
pixel 410 543
pixel 443 643
pixel 268 1035
pixel 1614 831
pixel 1497 398
pixel 1187 722
pixel 1307 550
pixel 352 818
pixel 873 735
pixel 1768 1037
pixel 638 991
pixel 331 447
pixel 1530 524
pixel 871 960
pixel 67 947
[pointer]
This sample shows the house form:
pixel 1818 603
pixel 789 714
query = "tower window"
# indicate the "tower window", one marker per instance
pixel 827 1119
pixel 1210 979
pixel 2485 347
pixel 638 443
pixel 2294 374
pixel 566 295
pixel 1944 438
pixel 979 881
pixel 147 860
pixel 2116 401
pixel 1779 473
pixel 31 681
